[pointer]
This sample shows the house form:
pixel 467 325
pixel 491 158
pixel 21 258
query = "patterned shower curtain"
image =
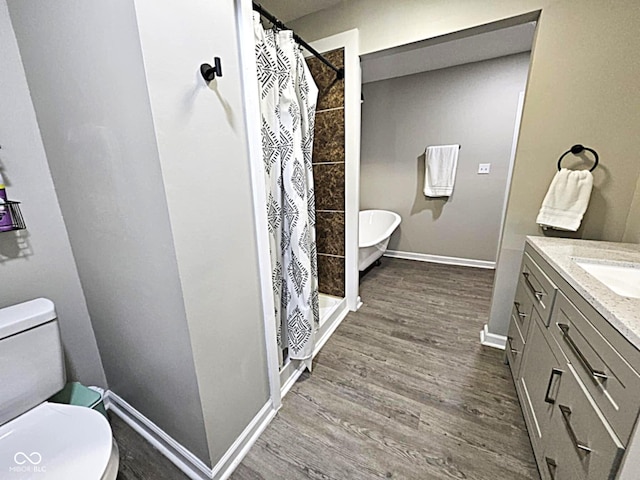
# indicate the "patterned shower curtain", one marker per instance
pixel 288 97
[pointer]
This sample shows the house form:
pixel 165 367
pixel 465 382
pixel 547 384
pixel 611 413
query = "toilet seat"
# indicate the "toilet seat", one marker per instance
pixel 57 442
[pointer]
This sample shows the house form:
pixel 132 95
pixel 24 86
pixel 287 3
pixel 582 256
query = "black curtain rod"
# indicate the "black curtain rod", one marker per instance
pixel 260 9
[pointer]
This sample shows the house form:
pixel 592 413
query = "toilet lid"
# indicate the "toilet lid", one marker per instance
pixel 56 442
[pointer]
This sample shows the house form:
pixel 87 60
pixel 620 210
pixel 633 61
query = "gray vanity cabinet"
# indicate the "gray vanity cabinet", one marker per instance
pixel 576 377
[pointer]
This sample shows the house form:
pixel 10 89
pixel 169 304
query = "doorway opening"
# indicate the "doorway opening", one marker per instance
pixel 465 89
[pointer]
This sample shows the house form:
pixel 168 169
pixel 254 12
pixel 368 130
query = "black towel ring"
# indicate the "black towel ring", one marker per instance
pixel 576 149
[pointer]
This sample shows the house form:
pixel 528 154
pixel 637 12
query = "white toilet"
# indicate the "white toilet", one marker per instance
pixel 38 439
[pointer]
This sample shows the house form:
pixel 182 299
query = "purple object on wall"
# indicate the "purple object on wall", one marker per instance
pixel 6 222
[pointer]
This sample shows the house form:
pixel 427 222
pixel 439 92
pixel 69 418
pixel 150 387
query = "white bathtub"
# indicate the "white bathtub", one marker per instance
pixel 375 229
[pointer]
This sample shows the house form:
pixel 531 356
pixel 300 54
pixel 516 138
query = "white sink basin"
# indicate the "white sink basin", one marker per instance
pixel 622 278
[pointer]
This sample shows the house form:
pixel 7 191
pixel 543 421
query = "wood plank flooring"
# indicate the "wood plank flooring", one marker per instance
pixel 402 390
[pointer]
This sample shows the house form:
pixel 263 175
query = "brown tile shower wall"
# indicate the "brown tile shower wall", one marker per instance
pixel 328 174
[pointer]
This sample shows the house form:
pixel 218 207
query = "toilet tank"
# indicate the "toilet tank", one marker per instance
pixel 31 357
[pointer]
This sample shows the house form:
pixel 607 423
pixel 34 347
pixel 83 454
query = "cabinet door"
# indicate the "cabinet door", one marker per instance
pixel 540 377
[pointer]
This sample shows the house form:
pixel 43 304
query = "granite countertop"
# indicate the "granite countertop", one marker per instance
pixel 623 313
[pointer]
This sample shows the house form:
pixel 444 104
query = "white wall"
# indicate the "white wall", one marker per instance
pixel 38 262
pixel 473 105
pixel 84 65
pixel 203 152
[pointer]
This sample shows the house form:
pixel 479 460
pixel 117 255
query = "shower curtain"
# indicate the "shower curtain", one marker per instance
pixel 288 97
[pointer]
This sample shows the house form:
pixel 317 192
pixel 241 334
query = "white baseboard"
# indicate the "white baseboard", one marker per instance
pixel 239 449
pixel 425 257
pixel 293 369
pixel 492 339
pixel 330 325
pixel 179 455
pixel 289 375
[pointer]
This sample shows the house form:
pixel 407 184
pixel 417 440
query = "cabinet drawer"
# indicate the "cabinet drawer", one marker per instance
pixel 580 444
pixel 515 346
pixel 522 309
pixel 610 380
pixel 539 287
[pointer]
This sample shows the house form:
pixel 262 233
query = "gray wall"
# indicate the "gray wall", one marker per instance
pixel 473 105
pixel 202 142
pixel 578 92
pixel 85 70
pixel 38 262
pixel 632 230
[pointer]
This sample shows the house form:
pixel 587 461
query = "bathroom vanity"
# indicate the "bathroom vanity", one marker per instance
pixel 573 348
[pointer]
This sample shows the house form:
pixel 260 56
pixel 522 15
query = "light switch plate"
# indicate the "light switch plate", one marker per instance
pixel 484 168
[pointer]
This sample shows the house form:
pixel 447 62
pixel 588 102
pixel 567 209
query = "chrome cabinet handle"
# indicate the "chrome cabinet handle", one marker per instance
pixel 522 315
pixel 511 349
pixel 551 466
pixel 598 374
pixel 554 372
pixel 566 416
pixel 536 293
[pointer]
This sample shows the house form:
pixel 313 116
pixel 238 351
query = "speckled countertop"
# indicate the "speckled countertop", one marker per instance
pixel 623 313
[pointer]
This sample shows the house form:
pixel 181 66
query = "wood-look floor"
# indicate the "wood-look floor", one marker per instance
pixel 402 390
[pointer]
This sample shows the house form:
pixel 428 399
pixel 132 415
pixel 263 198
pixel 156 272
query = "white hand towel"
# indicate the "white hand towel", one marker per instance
pixel 566 201
pixel 441 163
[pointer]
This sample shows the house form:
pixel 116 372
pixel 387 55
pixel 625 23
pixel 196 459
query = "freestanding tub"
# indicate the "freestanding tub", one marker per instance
pixel 375 229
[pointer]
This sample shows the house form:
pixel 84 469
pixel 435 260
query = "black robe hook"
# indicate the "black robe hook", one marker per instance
pixel 208 72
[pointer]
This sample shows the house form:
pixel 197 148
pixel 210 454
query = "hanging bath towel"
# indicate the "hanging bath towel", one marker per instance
pixel 566 201
pixel 441 163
